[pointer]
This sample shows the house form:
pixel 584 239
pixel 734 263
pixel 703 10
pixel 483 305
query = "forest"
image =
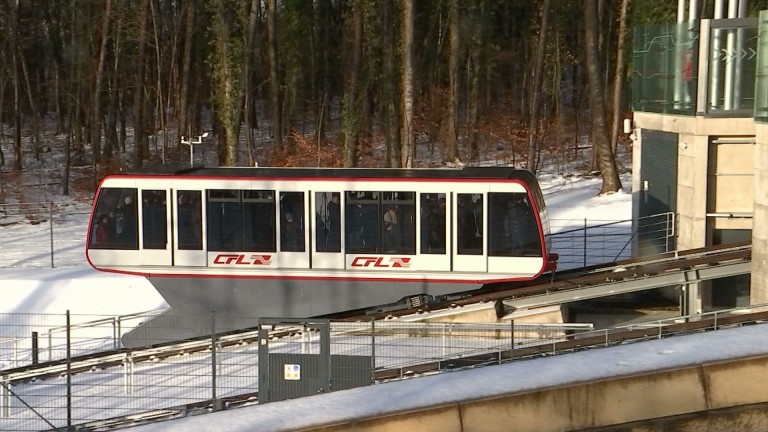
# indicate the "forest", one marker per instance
pixel 117 84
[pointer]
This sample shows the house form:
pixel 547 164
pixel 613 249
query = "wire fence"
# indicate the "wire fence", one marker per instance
pixel 56 375
pixel 88 385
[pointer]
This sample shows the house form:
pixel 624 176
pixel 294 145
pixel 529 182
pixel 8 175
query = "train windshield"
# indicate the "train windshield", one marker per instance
pixel 116 220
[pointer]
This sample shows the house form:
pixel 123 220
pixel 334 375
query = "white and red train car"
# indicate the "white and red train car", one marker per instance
pixel 303 242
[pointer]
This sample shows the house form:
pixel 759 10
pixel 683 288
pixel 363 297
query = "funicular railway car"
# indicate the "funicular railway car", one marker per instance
pixel 299 242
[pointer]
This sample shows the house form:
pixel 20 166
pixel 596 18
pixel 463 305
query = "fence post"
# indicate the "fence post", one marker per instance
pixel 50 225
pixel 69 374
pixel 214 402
pixel 512 334
pixel 35 348
pixel 5 398
pixel 585 242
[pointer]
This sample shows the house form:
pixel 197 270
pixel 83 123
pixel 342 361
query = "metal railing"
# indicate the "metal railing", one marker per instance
pixel 171 380
pixel 584 242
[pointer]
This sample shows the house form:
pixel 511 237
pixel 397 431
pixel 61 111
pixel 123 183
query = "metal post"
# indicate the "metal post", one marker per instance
pixel 214 402
pixel 69 374
pixel 5 398
pixel 50 225
pixel 373 350
pixel 35 348
pixel 585 242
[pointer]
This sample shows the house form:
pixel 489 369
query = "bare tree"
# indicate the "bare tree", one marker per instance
pixel 352 101
pixel 139 99
pixel 450 135
pixel 600 133
pixel 406 87
pixel 538 78
pixel 98 79
pixel 618 76
pixel 276 96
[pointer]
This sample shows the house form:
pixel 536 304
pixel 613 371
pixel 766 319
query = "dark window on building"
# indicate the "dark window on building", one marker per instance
pixel 153 219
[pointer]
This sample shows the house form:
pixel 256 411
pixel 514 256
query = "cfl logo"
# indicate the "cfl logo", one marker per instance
pixel 240 259
pixel 378 262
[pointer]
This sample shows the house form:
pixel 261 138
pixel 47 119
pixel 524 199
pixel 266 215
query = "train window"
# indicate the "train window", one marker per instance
pixel 116 220
pixel 328 220
pixel 153 220
pixel 241 220
pixel 259 216
pixel 380 222
pixel 292 221
pixel 432 223
pixel 470 224
pixel 512 226
pixel 190 220
pixel 225 221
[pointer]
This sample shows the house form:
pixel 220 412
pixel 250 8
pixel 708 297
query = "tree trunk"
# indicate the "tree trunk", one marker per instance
pixel 96 112
pixel 274 75
pixel 618 78
pixel 407 140
pixel 389 86
pixel 15 65
pixel 353 102
pixel 600 132
pixel 250 49
pixel 450 135
pixel 139 115
pixel 538 72
pixel 185 77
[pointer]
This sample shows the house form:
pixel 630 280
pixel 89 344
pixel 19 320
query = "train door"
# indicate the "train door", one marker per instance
pixel 189 230
pixel 293 235
pixel 434 249
pixel 469 231
pixel 327 230
pixel 154 218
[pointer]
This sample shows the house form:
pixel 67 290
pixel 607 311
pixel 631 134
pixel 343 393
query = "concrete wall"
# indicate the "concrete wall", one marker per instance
pixel 759 292
pixel 692 190
pixel 693 162
pixel 706 397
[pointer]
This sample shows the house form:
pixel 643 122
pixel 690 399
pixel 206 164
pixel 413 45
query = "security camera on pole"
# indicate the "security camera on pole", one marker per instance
pixel 190 142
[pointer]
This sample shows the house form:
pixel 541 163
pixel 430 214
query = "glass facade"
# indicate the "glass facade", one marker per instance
pixel 669 78
pixel 665 68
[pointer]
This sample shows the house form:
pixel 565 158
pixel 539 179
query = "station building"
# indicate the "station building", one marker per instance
pixel 700 137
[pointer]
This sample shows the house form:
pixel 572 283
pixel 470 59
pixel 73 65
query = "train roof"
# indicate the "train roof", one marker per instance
pixel 491 172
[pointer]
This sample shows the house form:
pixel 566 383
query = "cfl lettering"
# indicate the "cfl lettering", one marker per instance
pixel 373 261
pixel 240 259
